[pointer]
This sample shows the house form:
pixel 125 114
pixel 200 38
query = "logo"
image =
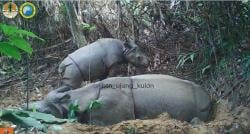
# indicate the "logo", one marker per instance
pixel 8 130
pixel 27 10
pixel 10 10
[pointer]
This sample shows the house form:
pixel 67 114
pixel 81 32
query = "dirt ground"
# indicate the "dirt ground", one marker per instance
pixel 224 120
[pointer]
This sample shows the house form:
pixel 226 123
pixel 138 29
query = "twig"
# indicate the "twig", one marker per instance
pixel 10 81
pixel 50 73
pixel 234 87
pixel 54 46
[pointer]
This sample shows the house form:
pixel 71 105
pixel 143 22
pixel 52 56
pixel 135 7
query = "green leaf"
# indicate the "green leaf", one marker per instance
pixel 23 121
pixel 180 60
pixel 200 4
pixel 29 119
pixel 45 118
pixel 21 43
pixel 2 72
pixel 192 57
pixel 244 1
pixel 85 26
pixel 30 34
pixel 73 107
pixel 95 104
pixel 27 33
pixel 92 28
pixel 7 49
pixel 179 57
pixel 205 68
pixel 8 30
pixel 184 61
pixel 15 41
pixel 34 109
pixel 14 31
pixel 88 27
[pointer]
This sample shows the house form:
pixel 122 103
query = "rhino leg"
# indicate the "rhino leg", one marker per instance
pixel 71 76
pixel 114 70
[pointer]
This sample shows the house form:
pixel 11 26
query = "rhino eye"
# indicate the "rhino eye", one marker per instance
pixel 139 58
pixel 47 111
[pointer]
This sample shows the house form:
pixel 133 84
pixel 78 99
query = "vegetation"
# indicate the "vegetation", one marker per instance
pixel 13 41
pixel 218 29
pixel 130 130
pixel 95 104
pixel 29 119
pixel 73 108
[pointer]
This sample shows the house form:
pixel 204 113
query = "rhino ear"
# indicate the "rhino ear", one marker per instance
pixel 64 98
pixel 62 89
pixel 130 44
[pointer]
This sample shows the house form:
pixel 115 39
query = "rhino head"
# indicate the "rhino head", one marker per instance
pixel 55 103
pixel 134 55
pixel 59 101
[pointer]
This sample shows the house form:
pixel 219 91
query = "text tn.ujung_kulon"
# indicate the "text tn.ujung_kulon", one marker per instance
pixel 128 85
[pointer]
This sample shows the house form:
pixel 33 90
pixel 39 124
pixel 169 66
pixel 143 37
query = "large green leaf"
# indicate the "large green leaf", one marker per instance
pixel 29 119
pixel 8 30
pixel 21 43
pixel 42 117
pixel 15 41
pixel 23 121
pixel 45 118
pixel 30 34
pixel 14 31
pixel 9 50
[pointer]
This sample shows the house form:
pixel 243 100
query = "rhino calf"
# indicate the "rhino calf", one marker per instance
pixel 125 98
pixel 99 60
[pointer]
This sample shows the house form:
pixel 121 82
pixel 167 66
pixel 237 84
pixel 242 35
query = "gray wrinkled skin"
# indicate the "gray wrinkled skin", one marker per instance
pixel 182 99
pixel 95 60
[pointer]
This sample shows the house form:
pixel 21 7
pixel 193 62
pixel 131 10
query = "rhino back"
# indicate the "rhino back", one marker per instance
pixel 166 94
pixel 95 58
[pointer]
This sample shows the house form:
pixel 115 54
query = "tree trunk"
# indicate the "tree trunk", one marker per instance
pixel 78 36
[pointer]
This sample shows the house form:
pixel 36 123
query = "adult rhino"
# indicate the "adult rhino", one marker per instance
pixel 125 98
pixel 99 60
